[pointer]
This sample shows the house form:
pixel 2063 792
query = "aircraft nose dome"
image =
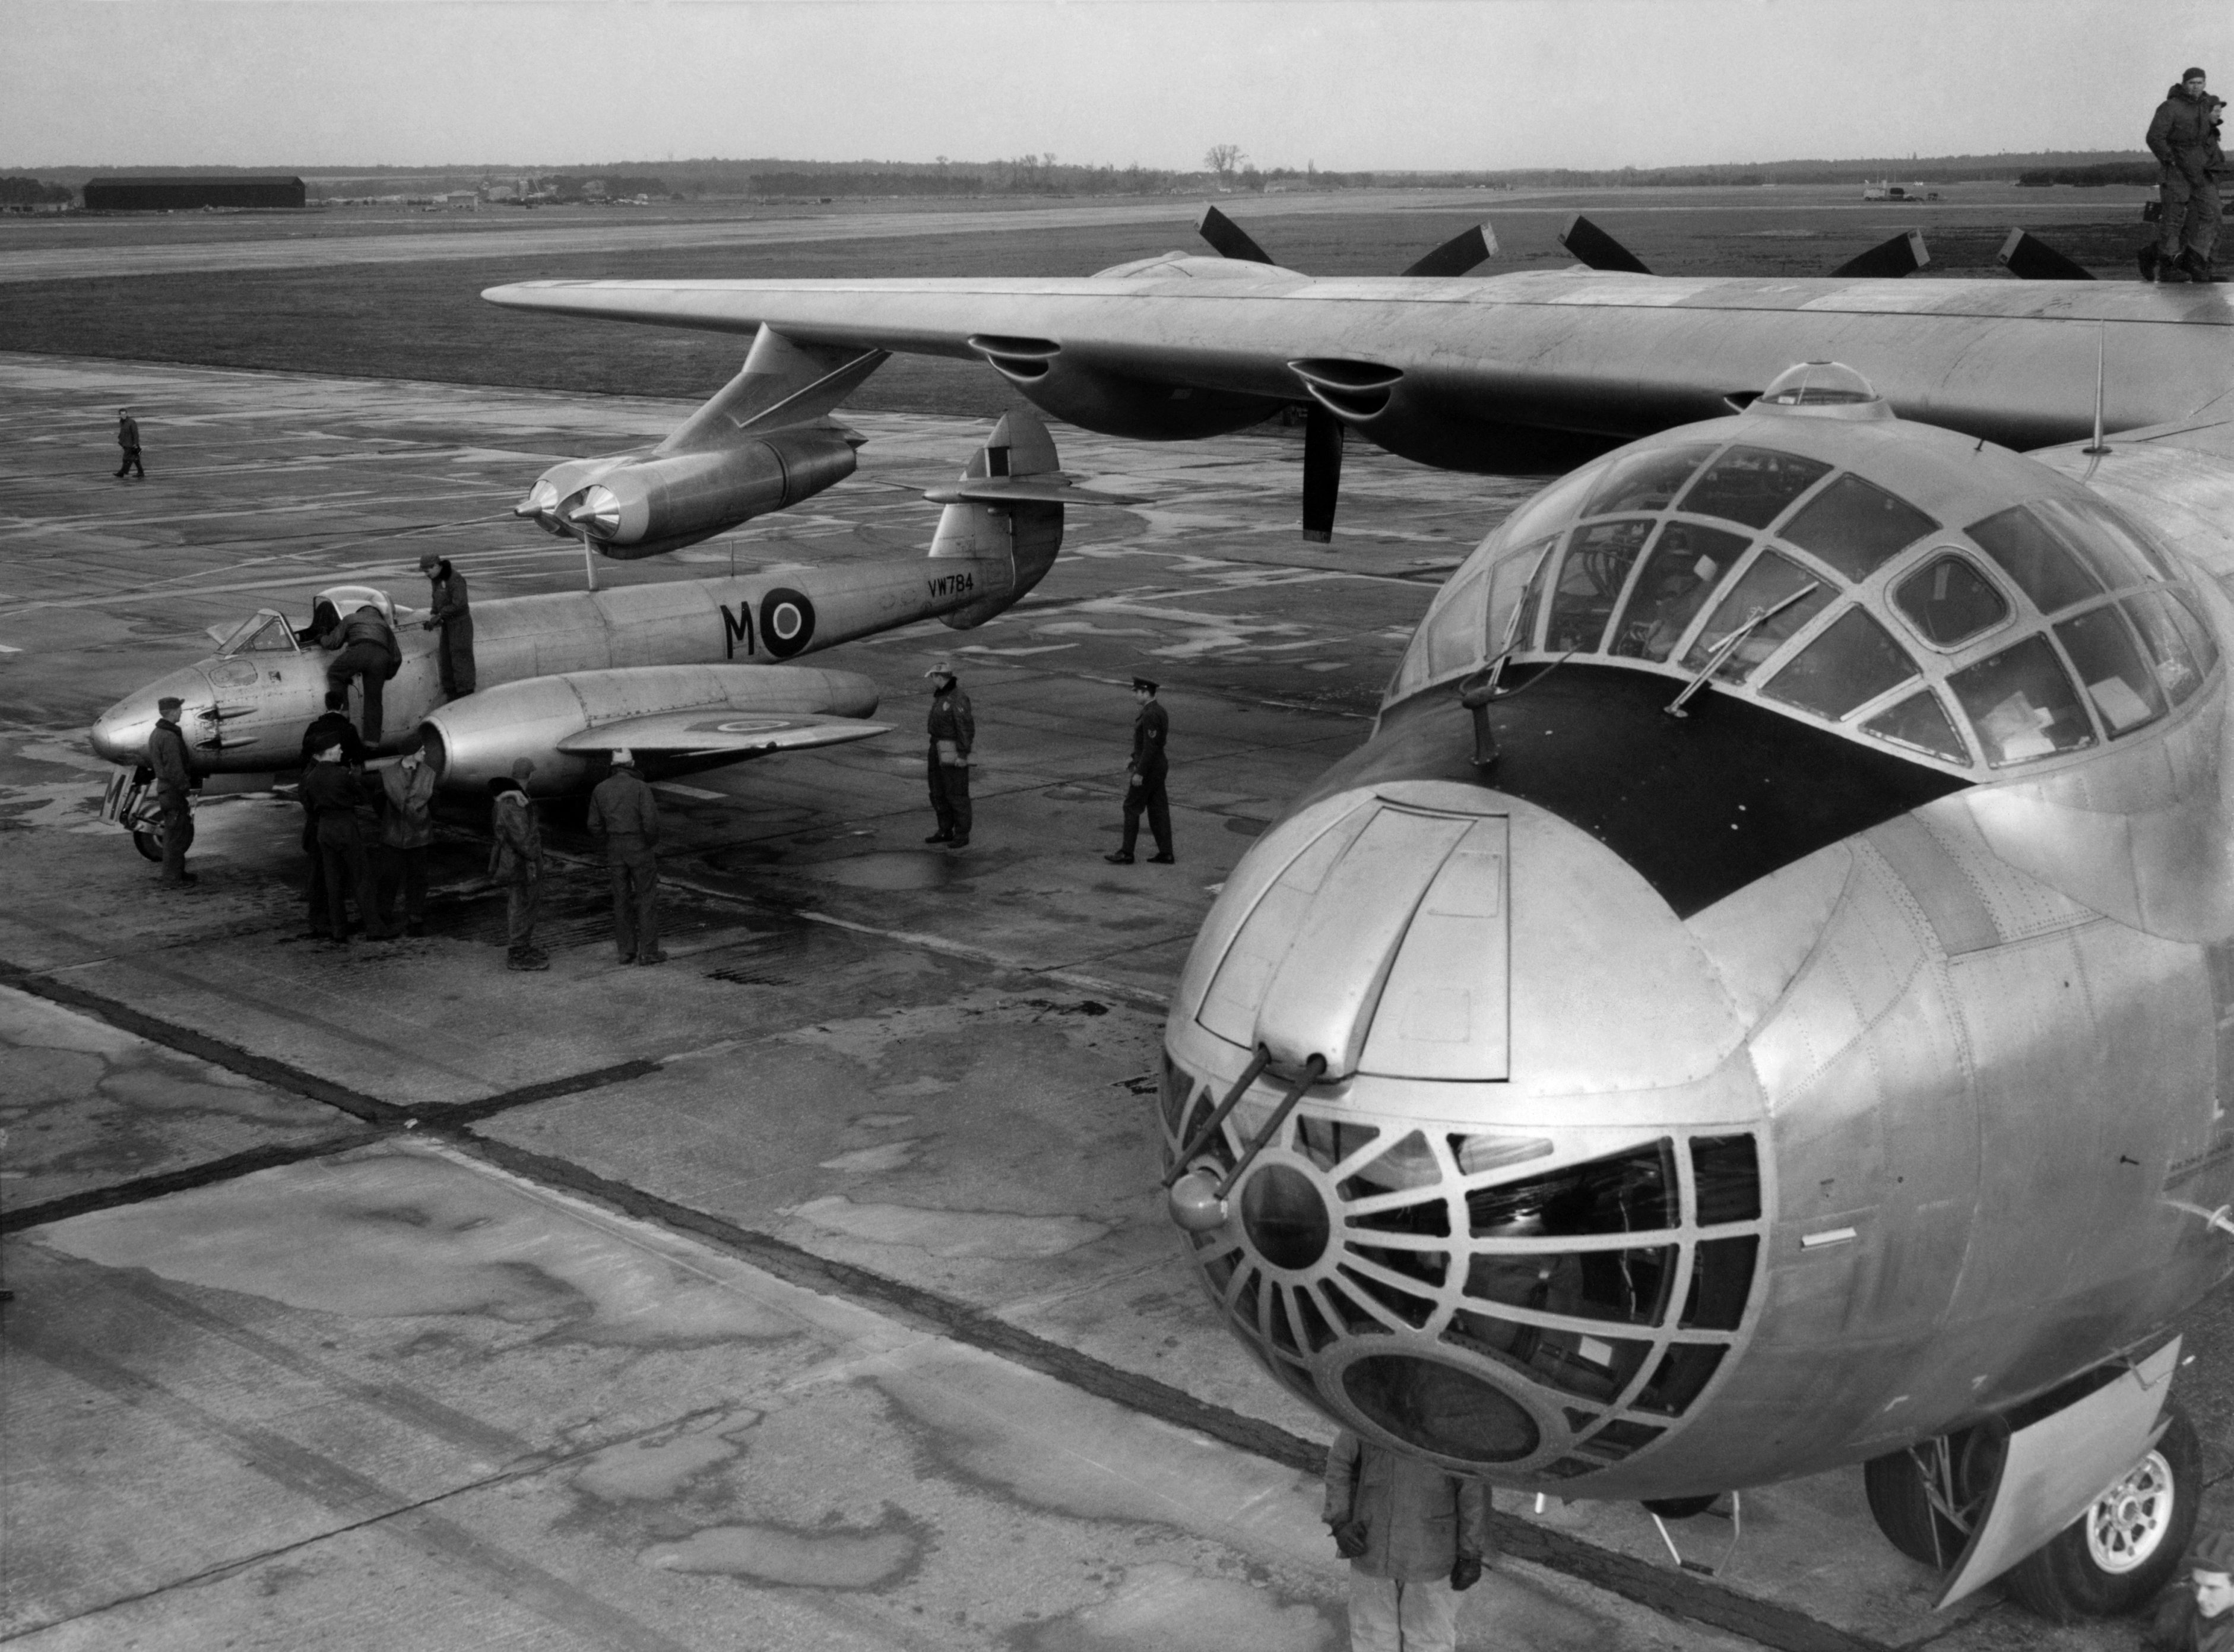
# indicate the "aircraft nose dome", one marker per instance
pixel 120 735
pixel 1515 1223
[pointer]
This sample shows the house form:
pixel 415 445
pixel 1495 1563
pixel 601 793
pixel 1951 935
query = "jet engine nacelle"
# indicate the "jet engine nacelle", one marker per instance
pixel 478 739
pixel 641 507
pixel 1116 404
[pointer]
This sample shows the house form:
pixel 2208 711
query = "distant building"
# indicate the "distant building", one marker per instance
pixel 1889 190
pixel 189 195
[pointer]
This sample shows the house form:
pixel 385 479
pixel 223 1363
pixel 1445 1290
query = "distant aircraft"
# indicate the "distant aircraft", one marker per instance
pixel 687 674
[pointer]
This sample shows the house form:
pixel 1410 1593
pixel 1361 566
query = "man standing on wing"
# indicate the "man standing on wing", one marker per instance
pixel 2184 137
pixel 448 613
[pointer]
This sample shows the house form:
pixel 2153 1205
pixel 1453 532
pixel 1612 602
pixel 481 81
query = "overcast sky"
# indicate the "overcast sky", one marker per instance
pixel 1438 83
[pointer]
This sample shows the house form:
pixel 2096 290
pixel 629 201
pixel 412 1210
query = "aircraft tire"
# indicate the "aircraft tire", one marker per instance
pixel 149 844
pixel 2123 1550
pixel 1680 1508
pixel 1894 1483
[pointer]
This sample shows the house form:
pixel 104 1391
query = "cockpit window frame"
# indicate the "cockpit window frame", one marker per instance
pixel 262 620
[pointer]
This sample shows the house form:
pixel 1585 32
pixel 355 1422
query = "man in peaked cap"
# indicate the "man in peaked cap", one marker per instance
pixel 2199 1617
pixel 174 781
pixel 953 731
pixel 448 613
pixel 1144 779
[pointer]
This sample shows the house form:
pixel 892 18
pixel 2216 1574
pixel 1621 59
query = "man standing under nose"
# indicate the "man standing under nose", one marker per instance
pixel 624 813
pixel 174 781
pixel 1415 1535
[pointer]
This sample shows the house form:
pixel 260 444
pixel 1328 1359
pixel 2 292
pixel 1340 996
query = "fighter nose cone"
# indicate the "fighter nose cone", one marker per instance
pixel 120 735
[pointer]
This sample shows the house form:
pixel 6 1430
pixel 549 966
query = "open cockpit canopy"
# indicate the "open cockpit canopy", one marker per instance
pixel 1901 584
pixel 265 631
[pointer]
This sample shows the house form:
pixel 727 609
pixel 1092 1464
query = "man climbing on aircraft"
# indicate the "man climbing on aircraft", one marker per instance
pixel 369 653
pixel 2184 137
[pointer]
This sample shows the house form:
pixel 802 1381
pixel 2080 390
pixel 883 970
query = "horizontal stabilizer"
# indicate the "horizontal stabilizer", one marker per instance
pixel 1888 260
pixel 2029 259
pixel 1009 490
pixel 1593 246
pixel 1228 239
pixel 1459 254
pixel 720 728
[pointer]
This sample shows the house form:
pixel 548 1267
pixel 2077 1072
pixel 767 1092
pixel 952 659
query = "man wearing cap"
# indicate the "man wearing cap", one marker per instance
pixel 2200 1617
pixel 174 780
pixel 624 813
pixel 953 731
pixel 2184 137
pixel 406 828
pixel 516 858
pixel 127 438
pixel 331 727
pixel 447 612
pixel 1144 779
pixel 332 792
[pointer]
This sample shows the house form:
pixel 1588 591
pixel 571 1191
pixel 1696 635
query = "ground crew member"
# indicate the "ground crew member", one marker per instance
pixel 2199 1617
pixel 331 792
pixel 624 813
pixel 449 613
pixel 2184 137
pixel 127 438
pixel 516 860
pixel 407 828
pixel 1414 1537
pixel 1144 779
pixel 174 781
pixel 329 727
pixel 953 732
pixel 369 653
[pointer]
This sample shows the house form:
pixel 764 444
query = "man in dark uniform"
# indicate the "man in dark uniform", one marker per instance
pixel 624 813
pixel 2184 137
pixel 516 860
pixel 953 732
pixel 332 792
pixel 174 780
pixel 331 727
pixel 127 438
pixel 449 613
pixel 369 653
pixel 1144 779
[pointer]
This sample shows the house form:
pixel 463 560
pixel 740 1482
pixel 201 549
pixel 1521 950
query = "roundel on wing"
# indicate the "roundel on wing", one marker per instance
pixel 786 622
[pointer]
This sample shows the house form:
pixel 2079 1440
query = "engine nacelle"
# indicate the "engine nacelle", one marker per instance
pixel 1116 404
pixel 472 742
pixel 641 506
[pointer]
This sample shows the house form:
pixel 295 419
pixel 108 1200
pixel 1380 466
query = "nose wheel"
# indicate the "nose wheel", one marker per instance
pixel 149 843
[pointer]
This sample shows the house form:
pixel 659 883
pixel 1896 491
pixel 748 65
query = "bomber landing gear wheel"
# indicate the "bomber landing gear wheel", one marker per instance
pixel 2117 1555
pixel 149 844
pixel 1680 1508
pixel 1900 1489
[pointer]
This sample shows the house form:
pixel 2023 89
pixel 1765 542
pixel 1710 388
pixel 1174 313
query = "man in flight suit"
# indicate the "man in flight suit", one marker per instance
pixel 953 732
pixel 449 613
pixel 624 813
pixel 1144 779
pixel 1415 1535
pixel 369 653
pixel 127 438
pixel 406 828
pixel 516 860
pixel 174 780
pixel 2184 137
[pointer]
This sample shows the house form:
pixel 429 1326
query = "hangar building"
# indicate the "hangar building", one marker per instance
pixel 187 194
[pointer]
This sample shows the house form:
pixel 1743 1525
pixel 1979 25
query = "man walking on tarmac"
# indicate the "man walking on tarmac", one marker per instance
pixel 624 813
pixel 174 780
pixel 1144 779
pixel 127 438
pixel 449 613
pixel 2184 137
pixel 953 732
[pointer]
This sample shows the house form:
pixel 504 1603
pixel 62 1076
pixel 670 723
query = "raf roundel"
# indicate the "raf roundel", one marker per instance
pixel 786 622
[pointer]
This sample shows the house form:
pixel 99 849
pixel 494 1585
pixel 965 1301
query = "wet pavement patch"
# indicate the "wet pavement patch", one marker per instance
pixel 770 1554
pixel 887 869
pixel 577 910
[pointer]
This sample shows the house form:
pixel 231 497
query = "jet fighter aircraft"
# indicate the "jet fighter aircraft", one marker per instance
pixel 1759 1001
pixel 689 675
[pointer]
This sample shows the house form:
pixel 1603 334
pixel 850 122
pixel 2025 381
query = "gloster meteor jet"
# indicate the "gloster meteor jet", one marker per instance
pixel 1763 998
pixel 687 674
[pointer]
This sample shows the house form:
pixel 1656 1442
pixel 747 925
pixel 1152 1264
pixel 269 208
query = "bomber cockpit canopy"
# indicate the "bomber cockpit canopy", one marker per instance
pixel 1900 584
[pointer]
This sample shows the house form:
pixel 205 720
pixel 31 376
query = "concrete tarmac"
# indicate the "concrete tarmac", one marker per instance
pixel 813 1289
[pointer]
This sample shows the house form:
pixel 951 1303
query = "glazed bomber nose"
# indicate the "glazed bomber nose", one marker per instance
pixel 1428 1205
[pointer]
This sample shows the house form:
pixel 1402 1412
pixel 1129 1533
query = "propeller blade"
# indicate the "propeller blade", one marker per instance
pixel 1227 239
pixel 1459 254
pixel 1888 260
pixel 2029 259
pixel 1593 246
pixel 1323 436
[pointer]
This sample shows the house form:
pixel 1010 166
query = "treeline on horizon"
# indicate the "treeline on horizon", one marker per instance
pixel 1044 175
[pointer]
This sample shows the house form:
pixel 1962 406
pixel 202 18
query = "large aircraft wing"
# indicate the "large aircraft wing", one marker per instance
pixel 1437 369
pixel 746 732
